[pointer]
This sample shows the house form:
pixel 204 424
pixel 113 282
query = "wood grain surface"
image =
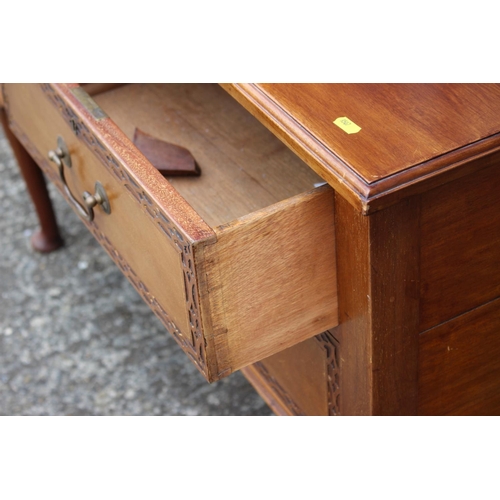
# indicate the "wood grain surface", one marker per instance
pixel 293 381
pixel 402 125
pixel 271 279
pixel 395 301
pixel 93 89
pixel 244 167
pixel 121 149
pixel 460 251
pixel 129 230
pixel 412 137
pixel 377 265
pixel 354 330
pixel 459 365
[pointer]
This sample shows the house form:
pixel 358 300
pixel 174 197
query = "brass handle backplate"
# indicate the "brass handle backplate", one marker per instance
pixel 61 158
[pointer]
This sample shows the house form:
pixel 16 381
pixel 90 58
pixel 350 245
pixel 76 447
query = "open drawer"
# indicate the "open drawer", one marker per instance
pixel 238 263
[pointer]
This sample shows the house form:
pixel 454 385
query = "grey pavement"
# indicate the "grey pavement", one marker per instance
pixel 75 337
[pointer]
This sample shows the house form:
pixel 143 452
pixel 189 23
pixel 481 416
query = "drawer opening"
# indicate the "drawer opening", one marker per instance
pixel 244 166
pixel 269 281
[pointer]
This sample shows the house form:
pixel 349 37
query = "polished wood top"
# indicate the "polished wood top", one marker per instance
pixel 410 133
pixel 401 125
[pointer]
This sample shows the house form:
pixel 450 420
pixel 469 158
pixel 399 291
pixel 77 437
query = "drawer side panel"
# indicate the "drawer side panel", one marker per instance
pixel 272 279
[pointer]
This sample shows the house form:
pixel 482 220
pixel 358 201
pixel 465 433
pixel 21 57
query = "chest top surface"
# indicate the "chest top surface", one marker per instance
pixel 408 133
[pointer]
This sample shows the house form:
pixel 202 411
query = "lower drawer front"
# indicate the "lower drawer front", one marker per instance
pixel 301 380
pixel 459 367
pixel 230 295
pixel 460 241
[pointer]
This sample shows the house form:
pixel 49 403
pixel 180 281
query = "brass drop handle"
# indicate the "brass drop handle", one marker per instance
pixel 61 157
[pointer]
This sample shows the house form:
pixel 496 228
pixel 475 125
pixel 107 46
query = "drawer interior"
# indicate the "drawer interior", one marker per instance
pixel 244 166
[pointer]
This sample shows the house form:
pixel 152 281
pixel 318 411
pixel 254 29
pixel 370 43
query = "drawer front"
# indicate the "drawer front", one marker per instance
pixel 460 245
pixel 232 295
pixel 146 245
pixel 459 367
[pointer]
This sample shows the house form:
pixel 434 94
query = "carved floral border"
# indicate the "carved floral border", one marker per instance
pixel 331 346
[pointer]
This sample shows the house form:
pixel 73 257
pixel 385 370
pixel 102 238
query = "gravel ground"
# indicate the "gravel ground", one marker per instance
pixel 75 337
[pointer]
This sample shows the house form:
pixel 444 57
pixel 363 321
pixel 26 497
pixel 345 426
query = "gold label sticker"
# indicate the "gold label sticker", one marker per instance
pixel 347 125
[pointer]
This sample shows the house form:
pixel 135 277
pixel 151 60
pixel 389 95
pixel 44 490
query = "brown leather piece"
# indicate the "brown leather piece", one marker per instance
pixel 169 159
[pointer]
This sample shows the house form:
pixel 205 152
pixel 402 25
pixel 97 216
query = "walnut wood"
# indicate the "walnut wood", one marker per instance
pixel 459 365
pixel 169 159
pixel 413 137
pixel 47 238
pixel 377 272
pixel 460 246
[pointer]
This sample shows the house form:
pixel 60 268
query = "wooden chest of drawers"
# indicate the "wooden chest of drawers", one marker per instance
pixel 375 294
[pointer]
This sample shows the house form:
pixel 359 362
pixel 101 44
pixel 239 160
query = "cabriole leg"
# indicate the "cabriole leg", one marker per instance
pixel 48 237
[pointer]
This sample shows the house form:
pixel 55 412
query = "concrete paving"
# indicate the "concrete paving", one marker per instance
pixel 75 337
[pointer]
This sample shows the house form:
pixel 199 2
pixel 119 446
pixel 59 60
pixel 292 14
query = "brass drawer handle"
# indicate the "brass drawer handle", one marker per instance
pixel 61 157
